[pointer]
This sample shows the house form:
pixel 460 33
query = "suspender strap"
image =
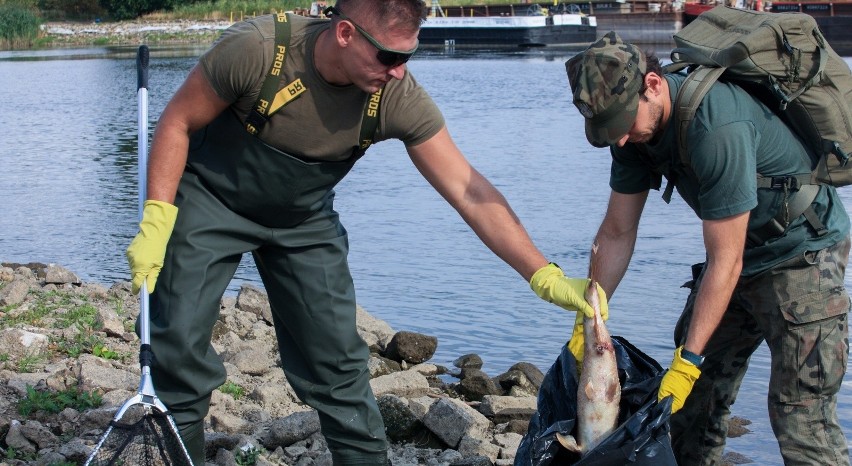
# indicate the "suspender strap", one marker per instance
pixel 270 99
pixel 369 123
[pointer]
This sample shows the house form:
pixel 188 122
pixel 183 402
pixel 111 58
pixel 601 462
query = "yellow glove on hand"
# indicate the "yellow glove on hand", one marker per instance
pixel 148 249
pixel 678 381
pixel 576 345
pixel 551 285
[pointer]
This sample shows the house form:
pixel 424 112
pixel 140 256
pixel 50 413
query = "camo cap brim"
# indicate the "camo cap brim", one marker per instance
pixel 605 80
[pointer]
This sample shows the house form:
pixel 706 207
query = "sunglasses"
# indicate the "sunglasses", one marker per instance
pixel 387 57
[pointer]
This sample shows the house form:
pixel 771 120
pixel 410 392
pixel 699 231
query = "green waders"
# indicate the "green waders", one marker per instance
pixel 239 195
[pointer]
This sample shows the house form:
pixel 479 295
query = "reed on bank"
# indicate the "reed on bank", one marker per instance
pixel 19 25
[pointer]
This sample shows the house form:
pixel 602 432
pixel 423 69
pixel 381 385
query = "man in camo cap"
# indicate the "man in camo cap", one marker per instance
pixel 768 276
pixel 607 90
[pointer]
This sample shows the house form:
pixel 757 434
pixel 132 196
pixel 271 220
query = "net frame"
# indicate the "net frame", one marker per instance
pixel 153 438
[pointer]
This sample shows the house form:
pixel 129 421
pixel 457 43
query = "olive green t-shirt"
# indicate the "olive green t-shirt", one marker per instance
pixel 732 137
pixel 325 121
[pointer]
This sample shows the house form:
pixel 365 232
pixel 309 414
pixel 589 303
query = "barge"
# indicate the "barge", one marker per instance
pixel 532 26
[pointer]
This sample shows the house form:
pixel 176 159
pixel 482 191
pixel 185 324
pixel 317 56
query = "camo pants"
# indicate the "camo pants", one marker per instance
pixel 800 309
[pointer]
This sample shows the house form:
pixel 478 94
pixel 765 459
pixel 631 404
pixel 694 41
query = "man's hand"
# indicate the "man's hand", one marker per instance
pixel 678 381
pixel 148 249
pixel 551 285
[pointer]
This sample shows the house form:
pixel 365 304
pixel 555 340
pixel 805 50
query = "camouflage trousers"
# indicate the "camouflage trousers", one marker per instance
pixel 800 308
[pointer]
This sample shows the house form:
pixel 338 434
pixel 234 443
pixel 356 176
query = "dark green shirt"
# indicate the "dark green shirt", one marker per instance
pixel 732 138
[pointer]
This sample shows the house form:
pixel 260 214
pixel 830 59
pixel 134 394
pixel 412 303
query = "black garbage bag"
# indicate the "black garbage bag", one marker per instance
pixel 642 436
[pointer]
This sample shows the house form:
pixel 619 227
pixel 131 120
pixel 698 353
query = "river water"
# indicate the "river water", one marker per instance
pixel 68 184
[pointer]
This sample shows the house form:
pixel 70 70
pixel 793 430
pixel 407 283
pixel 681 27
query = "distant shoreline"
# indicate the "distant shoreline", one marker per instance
pixel 66 33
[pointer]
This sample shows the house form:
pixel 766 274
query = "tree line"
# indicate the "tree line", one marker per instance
pixel 20 19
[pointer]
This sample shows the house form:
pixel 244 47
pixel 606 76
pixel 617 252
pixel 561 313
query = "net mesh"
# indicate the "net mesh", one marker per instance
pixel 143 437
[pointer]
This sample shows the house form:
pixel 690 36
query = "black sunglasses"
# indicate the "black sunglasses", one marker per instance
pixel 387 57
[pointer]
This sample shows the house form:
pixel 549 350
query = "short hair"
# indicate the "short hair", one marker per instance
pixel 409 14
pixel 652 65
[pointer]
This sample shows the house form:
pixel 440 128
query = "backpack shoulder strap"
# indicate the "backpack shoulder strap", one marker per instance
pixel 689 97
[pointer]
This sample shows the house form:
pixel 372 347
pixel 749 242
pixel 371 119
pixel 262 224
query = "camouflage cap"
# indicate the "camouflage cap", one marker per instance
pixel 605 80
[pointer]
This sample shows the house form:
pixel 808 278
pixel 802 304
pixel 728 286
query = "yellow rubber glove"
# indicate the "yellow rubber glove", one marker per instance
pixel 678 381
pixel 551 285
pixel 148 249
pixel 576 345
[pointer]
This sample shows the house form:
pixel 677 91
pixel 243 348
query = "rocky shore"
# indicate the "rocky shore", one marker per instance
pixel 133 32
pixel 69 360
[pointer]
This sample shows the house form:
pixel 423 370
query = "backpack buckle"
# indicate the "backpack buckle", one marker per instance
pixel 787 183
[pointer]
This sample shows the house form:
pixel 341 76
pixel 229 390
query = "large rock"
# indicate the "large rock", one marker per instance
pixel 405 383
pixel 468 361
pixel 254 300
pixel 285 431
pixel 60 275
pixel 14 292
pixel 375 332
pixel 477 384
pixel 16 439
pixel 511 407
pixel 254 361
pixel 451 420
pixel 401 423
pixel 411 347
pixel 39 434
pixel 95 373
pixel 17 342
pixel 522 379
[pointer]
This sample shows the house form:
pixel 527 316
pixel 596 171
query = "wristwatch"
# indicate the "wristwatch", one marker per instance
pixel 691 357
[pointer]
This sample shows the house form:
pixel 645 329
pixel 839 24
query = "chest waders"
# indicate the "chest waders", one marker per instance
pixel 240 195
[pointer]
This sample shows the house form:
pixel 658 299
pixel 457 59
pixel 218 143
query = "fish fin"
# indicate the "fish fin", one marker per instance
pixel 590 390
pixel 568 442
pixel 612 391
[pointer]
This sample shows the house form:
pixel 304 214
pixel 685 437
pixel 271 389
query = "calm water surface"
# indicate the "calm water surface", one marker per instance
pixel 68 188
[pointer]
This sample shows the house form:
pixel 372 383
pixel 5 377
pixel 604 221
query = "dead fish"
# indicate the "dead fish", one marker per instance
pixel 599 391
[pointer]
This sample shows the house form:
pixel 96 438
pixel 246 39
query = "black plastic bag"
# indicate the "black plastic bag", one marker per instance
pixel 642 437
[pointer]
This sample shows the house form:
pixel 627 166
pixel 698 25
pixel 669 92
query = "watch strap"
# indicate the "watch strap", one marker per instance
pixel 695 359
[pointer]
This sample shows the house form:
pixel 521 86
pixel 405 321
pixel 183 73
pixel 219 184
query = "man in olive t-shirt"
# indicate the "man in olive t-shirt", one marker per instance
pixel 249 150
pixel 785 288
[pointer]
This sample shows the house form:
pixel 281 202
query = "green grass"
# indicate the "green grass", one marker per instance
pixel 61 310
pixel 56 309
pixel 46 304
pixel 84 316
pixel 13 454
pixel 19 25
pixel 83 342
pixel 232 389
pixel 102 351
pixel 54 402
pixel 30 362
